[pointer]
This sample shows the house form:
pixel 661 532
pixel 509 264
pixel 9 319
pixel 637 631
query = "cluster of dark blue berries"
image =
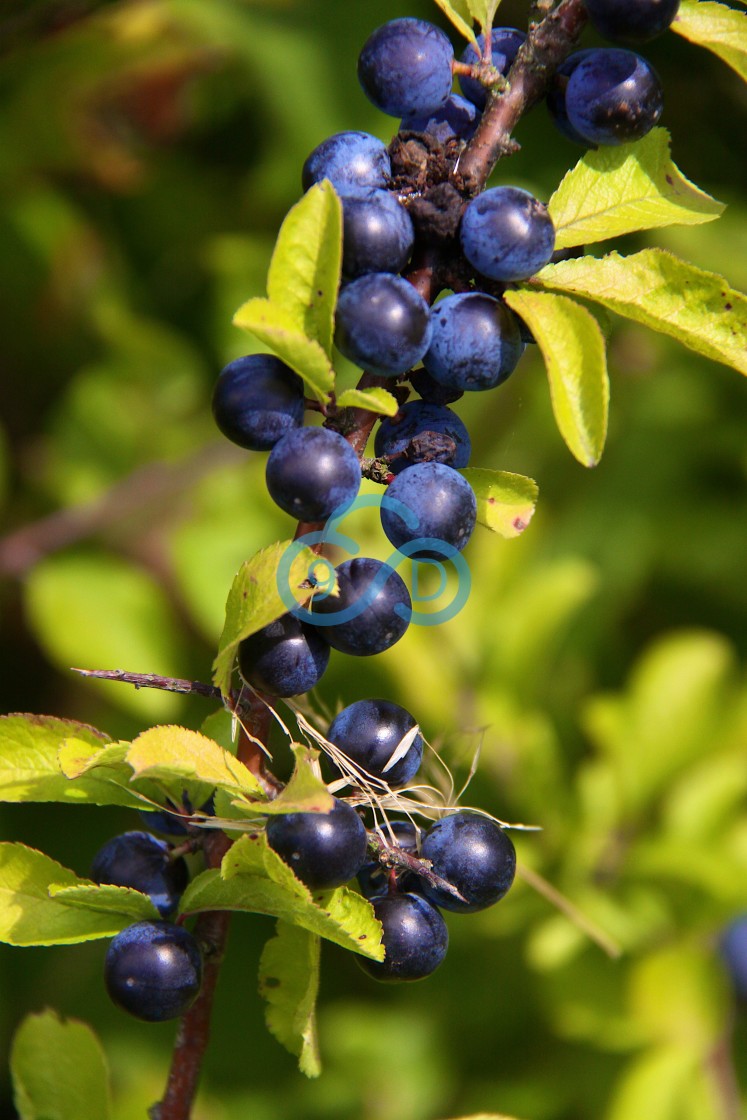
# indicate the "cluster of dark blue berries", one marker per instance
pixel 153 969
pixel 470 864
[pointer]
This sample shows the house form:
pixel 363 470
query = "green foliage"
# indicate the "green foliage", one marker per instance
pixel 620 734
pixel 653 287
pixel 717 28
pixel 573 348
pixel 374 399
pixel 289 982
pixel 505 501
pixel 616 190
pixel 75 1086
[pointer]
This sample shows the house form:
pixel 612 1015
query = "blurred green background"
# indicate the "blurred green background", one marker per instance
pixel 149 150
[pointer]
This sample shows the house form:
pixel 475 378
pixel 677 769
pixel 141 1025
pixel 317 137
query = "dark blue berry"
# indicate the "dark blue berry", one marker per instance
pixel 369 732
pixel 415 938
pixel 286 658
pixel 421 430
pixel 257 400
pixel 505 43
pixel 507 234
pixel 556 97
pixel 475 343
pixel 405 67
pixel 350 160
pixel 371 611
pixel 377 234
pixel 153 970
pixel 142 861
pixel 473 854
pixel 374 879
pixel 382 324
pixel 430 390
pixel 457 119
pixel 734 952
pixel 613 96
pixel 324 850
pixel 631 21
pixel 442 508
pixel 311 472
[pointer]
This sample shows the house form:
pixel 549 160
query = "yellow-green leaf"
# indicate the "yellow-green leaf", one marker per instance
pixel 171 752
pixel 277 327
pixel 106 898
pixel 483 11
pixel 374 399
pixel 657 289
pixel 59 1070
pixel 255 601
pixel 458 11
pixel 30 916
pixel 573 348
pixel 505 501
pixel 717 28
pixel 304 271
pixel 617 190
pixel 289 982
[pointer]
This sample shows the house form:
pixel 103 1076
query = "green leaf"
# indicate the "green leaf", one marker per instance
pixel 254 879
pixel 483 12
pixel 59 1070
pixel 29 766
pixel 289 982
pixel 177 753
pixel 276 327
pixel 305 268
pixel 458 11
pixel 98 611
pixel 254 601
pixel 573 348
pixel 657 289
pixel 505 501
pixel 717 28
pixel 304 793
pixel 613 191
pixel 29 916
pixel 374 400
pixel 105 898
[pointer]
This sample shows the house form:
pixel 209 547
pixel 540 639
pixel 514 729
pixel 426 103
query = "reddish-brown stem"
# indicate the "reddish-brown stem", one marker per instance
pixel 547 45
pixel 211 931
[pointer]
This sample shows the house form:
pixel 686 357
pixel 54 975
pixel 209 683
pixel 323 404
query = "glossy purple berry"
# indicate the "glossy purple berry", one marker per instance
pixel 556 97
pixel 324 850
pixel 613 96
pixel 427 507
pixel 286 658
pixel 142 861
pixel 473 854
pixel 257 400
pixel 350 160
pixel 507 234
pixel 505 43
pixel 311 472
pixel 475 343
pixel 415 938
pixel 378 234
pixel 153 970
pixel 405 67
pixel 380 737
pixel 371 612
pixel 382 324
pixel 631 21
pixel 421 431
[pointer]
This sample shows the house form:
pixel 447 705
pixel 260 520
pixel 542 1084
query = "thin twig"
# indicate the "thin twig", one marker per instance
pixel 152 680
